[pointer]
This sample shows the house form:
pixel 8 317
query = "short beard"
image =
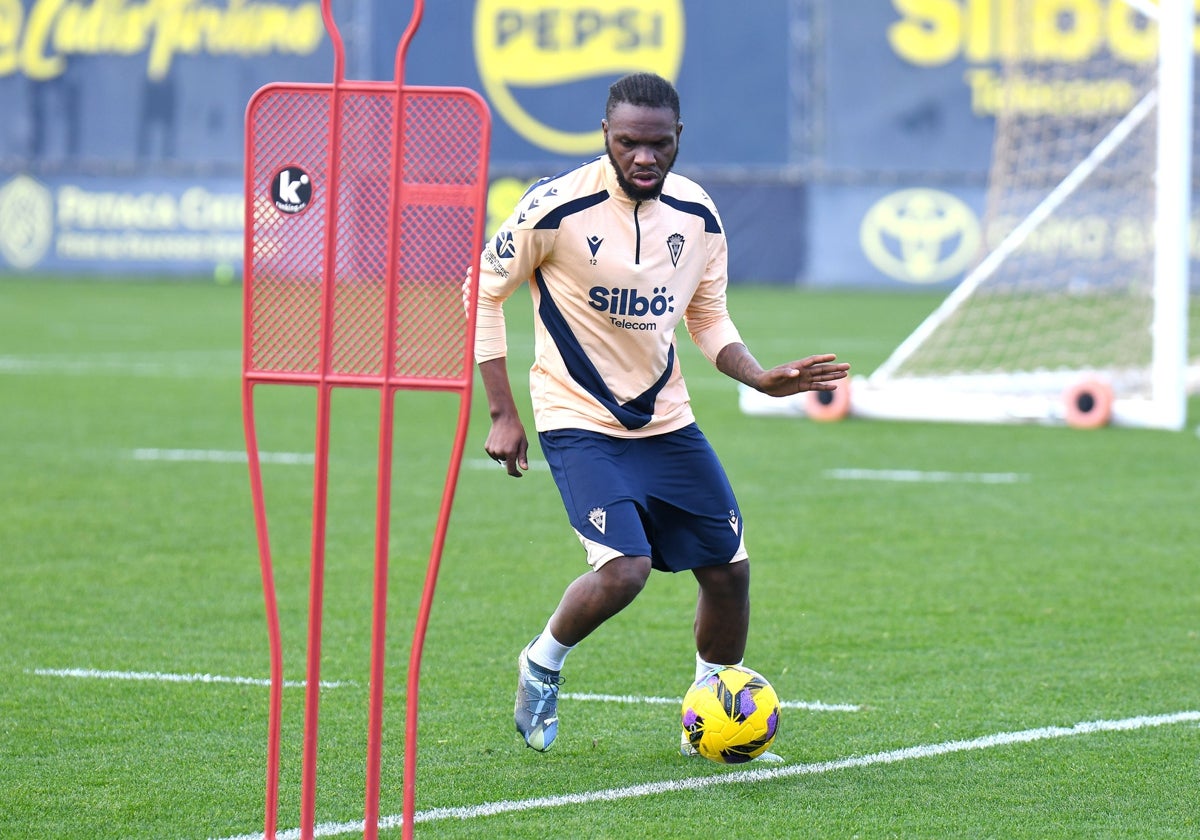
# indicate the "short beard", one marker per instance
pixel 632 190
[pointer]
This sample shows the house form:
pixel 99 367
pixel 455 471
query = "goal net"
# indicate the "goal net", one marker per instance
pixel 1078 310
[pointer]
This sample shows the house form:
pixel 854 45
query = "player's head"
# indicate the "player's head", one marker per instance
pixel 641 132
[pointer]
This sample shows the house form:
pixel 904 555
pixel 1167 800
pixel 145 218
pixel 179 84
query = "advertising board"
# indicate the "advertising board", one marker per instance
pixel 845 142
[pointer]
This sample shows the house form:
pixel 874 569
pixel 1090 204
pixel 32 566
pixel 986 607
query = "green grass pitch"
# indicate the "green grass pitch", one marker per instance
pixel 1015 658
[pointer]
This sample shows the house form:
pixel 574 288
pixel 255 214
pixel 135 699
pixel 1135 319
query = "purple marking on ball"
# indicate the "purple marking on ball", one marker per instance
pixel 689 717
pixel 746 704
pixel 772 722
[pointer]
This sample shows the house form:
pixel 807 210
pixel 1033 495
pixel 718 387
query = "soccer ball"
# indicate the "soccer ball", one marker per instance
pixel 731 715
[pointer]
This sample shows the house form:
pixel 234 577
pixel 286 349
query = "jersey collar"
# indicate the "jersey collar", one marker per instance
pixel 609 175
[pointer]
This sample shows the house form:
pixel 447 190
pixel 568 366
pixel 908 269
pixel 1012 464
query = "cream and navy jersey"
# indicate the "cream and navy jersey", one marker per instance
pixel 610 279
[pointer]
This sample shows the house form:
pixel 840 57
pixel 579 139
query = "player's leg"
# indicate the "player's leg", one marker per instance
pixel 598 489
pixel 589 601
pixel 722 624
pixel 723 612
pixel 587 469
pixel 696 525
pixel 596 596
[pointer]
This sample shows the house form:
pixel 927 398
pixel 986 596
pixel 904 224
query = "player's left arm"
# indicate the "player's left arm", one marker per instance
pixel 715 334
pixel 814 373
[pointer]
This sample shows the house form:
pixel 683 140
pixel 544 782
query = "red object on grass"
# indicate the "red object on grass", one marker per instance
pixel 365 209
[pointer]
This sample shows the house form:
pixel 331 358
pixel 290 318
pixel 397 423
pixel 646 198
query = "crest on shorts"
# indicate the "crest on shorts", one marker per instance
pixel 733 520
pixel 597 516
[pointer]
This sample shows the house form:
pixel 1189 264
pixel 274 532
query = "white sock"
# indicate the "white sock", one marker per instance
pixel 548 652
pixel 703 667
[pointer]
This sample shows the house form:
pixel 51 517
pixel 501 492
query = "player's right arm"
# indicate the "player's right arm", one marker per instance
pixel 507 261
pixel 506 441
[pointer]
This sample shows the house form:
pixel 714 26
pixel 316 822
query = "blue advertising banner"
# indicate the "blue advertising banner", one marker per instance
pixel 545 67
pixel 845 141
pixel 102 84
pixel 73 224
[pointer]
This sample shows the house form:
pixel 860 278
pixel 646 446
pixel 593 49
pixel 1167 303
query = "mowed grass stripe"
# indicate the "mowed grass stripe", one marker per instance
pixel 744 777
pixel 158 676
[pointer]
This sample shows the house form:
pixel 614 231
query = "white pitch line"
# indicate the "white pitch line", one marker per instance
pixel 216 364
pixel 675 701
pixel 230 456
pixel 512 806
pixel 937 476
pixel 155 676
pixel 220 456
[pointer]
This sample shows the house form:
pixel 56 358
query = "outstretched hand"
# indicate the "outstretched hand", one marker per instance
pixel 815 373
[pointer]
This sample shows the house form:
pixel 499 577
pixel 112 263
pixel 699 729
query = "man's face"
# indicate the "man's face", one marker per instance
pixel 642 144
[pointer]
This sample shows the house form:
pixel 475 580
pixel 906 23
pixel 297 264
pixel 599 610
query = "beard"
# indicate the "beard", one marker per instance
pixel 631 189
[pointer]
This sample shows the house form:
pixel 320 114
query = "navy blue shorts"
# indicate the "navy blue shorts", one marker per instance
pixel 664 497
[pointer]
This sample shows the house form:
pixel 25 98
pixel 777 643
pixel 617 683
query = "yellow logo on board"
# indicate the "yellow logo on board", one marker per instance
pixel 1110 46
pixel 38 44
pixel 26 221
pixel 920 235
pixel 522 46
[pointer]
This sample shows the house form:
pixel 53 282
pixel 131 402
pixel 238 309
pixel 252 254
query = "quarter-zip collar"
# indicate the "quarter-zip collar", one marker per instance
pixel 616 193
pixel 637 209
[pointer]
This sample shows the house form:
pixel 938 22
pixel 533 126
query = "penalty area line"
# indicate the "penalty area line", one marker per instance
pixel 931 476
pixel 675 701
pixel 220 456
pixel 738 777
pixel 156 676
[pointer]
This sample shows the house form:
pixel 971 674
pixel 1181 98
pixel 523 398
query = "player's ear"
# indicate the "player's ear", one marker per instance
pixel 678 128
pixel 604 128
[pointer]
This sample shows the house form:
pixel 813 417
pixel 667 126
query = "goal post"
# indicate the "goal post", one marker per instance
pixel 1174 175
pixel 1078 310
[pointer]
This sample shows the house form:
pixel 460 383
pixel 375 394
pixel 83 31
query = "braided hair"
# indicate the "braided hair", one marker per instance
pixel 645 89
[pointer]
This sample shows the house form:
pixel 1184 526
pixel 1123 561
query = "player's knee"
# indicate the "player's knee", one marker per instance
pixel 731 580
pixel 627 575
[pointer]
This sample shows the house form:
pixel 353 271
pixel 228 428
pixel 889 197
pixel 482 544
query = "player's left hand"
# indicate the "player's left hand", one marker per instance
pixel 815 373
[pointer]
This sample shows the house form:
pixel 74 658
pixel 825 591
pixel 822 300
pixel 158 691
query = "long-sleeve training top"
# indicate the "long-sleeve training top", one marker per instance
pixel 610 278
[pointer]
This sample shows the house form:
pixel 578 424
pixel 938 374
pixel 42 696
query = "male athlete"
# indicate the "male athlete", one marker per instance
pixel 618 251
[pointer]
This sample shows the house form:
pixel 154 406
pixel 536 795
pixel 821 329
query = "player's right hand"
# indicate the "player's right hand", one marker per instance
pixel 508 446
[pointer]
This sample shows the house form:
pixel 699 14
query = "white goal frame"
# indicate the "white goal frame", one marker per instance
pixel 1041 397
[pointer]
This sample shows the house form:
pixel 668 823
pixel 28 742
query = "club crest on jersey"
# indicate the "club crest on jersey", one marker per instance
pixel 598 517
pixel 675 244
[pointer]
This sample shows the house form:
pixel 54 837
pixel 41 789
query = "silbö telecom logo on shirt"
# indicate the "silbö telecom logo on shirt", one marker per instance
pixel 621 304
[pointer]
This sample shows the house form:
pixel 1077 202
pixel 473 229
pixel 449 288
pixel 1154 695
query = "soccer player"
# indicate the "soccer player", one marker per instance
pixel 617 251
